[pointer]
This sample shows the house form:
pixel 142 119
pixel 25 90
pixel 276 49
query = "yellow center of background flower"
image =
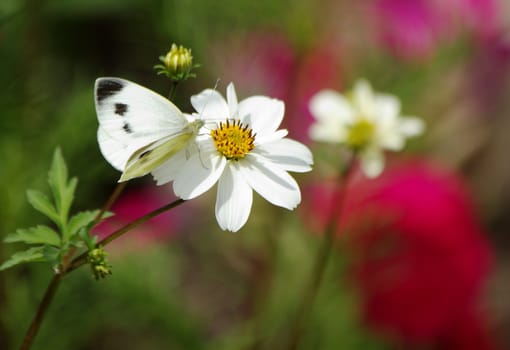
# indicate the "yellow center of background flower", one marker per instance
pixel 233 140
pixel 360 134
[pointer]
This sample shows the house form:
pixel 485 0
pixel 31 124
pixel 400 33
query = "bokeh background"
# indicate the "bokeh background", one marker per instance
pixel 422 259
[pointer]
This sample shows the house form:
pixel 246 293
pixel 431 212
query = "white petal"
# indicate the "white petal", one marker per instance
pixel 232 101
pixel 198 174
pixel 392 140
pixel 388 136
pixel 234 199
pixel 411 126
pixel 328 132
pixel 209 104
pixel 287 154
pixel 263 114
pixel 271 182
pixel 275 136
pixel 330 106
pixel 387 108
pixel 363 98
pixel 372 162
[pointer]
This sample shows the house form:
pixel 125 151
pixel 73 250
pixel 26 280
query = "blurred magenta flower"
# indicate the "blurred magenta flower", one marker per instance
pixel 266 63
pixel 135 203
pixel 319 68
pixel 415 28
pixel 259 63
pixel 489 73
pixel 408 28
pixel 420 258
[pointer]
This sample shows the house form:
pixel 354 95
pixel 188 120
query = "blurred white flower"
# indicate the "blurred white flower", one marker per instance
pixel 365 121
pixel 240 148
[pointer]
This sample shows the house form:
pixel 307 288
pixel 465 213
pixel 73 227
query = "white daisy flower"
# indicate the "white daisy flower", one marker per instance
pixel 365 121
pixel 241 148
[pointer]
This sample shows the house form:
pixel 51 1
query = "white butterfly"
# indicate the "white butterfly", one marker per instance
pixel 138 129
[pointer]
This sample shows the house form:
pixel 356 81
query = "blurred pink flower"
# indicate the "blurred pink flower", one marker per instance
pixel 479 16
pixel 135 203
pixel 489 73
pixel 408 28
pixel 259 63
pixel 318 69
pixel 420 258
pixel 415 28
pixel 266 63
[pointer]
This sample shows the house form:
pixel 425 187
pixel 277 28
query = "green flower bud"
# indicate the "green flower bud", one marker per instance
pixel 98 261
pixel 177 63
pixel 178 59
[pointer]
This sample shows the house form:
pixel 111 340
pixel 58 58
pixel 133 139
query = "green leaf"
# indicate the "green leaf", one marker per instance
pixel 34 235
pixel 68 197
pixel 78 221
pixel 41 203
pixel 30 255
pixel 90 241
pixel 57 178
pixel 51 253
pixel 63 191
pixel 83 221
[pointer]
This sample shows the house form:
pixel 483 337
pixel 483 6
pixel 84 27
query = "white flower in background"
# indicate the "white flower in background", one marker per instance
pixel 366 121
pixel 240 148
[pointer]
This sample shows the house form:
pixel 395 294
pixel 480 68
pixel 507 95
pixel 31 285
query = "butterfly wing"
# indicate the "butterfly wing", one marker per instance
pixel 132 117
pixel 146 159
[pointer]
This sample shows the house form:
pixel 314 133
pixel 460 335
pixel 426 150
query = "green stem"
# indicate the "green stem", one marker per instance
pixel 173 89
pixel 55 281
pixel 41 311
pixel 82 259
pixel 113 197
pixel 322 259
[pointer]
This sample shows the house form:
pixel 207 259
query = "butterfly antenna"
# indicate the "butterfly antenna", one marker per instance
pixel 188 154
pixel 201 160
pixel 216 84
pixel 215 88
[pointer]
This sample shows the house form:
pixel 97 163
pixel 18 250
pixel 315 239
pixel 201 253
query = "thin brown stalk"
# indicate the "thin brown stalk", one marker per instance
pixel 82 259
pixel 41 311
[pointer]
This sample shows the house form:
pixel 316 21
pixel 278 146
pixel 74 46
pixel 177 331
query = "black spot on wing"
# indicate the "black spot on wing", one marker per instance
pixel 107 88
pixel 127 128
pixel 121 108
pixel 145 154
pixel 143 157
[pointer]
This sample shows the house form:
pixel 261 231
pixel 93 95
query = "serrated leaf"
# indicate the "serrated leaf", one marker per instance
pixel 57 178
pixel 80 224
pixel 30 255
pixel 68 197
pixel 41 203
pixel 50 253
pixel 34 235
pixel 78 221
pixel 90 241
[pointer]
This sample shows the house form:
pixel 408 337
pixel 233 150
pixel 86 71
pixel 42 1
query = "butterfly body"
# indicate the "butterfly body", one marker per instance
pixel 139 129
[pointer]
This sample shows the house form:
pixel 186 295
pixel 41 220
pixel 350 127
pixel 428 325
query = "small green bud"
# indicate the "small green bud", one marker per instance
pixel 177 63
pixel 98 261
pixel 178 59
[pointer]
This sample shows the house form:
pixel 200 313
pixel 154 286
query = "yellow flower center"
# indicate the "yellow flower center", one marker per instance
pixel 233 140
pixel 360 134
